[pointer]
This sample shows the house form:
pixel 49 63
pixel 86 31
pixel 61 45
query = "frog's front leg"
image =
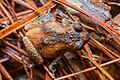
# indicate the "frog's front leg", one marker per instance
pixel 54 64
pixel 34 54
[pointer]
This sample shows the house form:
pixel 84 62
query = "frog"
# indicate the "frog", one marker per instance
pixel 48 38
pixel 97 9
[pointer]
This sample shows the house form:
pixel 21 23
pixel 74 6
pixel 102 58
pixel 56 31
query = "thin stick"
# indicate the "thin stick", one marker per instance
pixel 48 71
pixel 6 12
pixel 114 3
pixel 20 50
pixel 35 7
pixel 88 69
pixel 4 59
pixel 103 48
pixel 98 66
pixel 84 64
pixel 43 3
pixel 21 2
pixel 5 72
pixel 0 76
pixel 19 24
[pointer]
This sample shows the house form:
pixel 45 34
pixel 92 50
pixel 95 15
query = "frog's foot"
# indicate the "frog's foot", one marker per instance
pixel 53 66
pixel 32 51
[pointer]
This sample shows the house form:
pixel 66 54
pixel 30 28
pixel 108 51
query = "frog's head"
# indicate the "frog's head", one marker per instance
pixel 77 35
pixel 70 34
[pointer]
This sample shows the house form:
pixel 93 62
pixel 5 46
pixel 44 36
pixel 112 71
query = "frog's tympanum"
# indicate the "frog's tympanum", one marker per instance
pixel 49 38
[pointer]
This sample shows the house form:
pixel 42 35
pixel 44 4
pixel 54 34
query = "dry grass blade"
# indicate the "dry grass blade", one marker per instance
pixel 95 72
pixel 38 12
pixel 47 70
pixel 104 48
pixel 108 52
pixel 114 3
pixel 20 50
pixel 88 50
pixel 6 12
pixel 19 24
pixel 23 4
pixel 88 69
pixel 102 45
pixel 84 64
pixel 42 1
pixel 5 72
pixel 0 76
pixel 4 59
pixel 14 56
pixel 98 66
pixel 47 77
pixel 1 13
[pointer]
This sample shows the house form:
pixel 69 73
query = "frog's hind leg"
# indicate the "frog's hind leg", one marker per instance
pixel 32 51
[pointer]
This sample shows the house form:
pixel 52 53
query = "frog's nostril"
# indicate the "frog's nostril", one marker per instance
pixel 78 28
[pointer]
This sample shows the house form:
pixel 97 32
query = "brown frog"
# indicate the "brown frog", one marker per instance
pixel 49 38
pixel 98 10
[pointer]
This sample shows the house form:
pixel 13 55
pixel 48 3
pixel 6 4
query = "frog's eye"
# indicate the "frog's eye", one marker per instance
pixel 78 28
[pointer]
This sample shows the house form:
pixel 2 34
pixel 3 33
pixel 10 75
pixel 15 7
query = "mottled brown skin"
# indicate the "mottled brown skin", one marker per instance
pixel 53 39
pixel 36 36
pixel 100 11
